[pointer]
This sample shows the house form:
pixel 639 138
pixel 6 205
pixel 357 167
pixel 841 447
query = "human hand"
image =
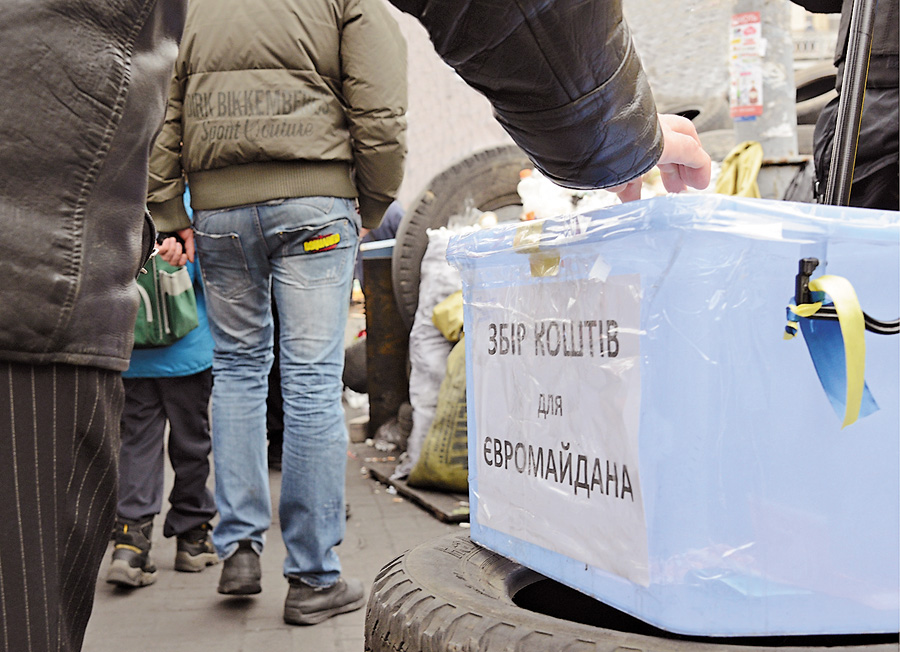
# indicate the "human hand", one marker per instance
pixel 171 251
pixel 683 162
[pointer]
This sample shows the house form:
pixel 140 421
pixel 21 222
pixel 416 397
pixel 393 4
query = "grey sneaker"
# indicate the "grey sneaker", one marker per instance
pixel 308 605
pixel 131 565
pixel 195 550
pixel 241 573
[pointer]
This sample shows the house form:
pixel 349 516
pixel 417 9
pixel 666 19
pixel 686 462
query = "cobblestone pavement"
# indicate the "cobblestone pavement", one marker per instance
pixel 182 612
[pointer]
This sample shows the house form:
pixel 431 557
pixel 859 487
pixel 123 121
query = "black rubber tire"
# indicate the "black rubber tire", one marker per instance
pixel 815 88
pixel 355 368
pixel 486 180
pixel 718 143
pixel 707 113
pixel 808 111
pixel 814 81
pixel 451 594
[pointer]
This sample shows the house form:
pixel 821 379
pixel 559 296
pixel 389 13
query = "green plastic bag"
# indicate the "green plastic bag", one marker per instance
pixel 168 307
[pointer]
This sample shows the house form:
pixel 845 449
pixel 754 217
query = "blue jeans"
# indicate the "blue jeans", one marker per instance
pixel 303 251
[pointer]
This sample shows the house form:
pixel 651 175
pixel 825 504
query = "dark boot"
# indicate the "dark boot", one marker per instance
pixel 131 565
pixel 308 605
pixel 241 573
pixel 195 550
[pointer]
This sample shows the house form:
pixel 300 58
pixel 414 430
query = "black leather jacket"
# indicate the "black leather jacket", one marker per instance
pixel 563 77
pixel 83 88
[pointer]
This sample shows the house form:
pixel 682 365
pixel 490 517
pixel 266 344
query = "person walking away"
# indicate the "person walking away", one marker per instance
pixel 287 120
pixel 169 384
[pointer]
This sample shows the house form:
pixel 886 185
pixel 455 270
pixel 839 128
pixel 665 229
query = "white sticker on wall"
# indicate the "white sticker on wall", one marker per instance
pixel 557 404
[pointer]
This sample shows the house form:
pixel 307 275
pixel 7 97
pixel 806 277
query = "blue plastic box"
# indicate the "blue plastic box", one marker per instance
pixel 640 430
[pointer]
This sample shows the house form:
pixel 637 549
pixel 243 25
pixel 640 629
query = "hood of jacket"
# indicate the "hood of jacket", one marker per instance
pixel 89 89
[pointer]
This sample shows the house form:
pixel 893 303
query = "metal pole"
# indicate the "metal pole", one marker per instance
pixel 850 105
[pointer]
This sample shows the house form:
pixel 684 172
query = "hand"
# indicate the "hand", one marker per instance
pixel 173 253
pixel 363 232
pixel 683 162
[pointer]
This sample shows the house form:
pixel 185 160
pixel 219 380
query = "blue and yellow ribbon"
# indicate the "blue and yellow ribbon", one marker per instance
pixel 842 377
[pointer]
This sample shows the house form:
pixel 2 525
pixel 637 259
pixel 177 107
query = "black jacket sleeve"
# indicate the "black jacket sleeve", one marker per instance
pixel 820 6
pixel 563 77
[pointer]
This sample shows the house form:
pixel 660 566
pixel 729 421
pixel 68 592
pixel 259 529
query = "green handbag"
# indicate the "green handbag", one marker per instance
pixel 168 307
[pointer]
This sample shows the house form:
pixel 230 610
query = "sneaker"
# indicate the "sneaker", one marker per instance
pixel 241 572
pixel 195 550
pixel 308 605
pixel 131 565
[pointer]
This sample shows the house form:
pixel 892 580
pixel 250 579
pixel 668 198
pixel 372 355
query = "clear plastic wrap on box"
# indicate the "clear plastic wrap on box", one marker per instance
pixel 640 430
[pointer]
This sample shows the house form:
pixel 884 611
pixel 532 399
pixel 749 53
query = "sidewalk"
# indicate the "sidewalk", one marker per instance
pixel 182 612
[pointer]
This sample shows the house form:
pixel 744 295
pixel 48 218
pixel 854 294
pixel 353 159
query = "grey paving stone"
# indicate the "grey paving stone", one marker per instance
pixel 183 611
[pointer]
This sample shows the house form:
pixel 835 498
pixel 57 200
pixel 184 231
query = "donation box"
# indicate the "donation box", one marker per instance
pixel 667 413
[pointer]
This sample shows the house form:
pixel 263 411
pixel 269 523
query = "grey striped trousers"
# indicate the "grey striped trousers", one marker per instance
pixel 59 434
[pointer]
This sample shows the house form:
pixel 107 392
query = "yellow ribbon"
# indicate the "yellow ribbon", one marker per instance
pixel 853 330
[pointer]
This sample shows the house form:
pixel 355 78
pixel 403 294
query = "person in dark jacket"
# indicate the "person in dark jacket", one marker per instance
pixel 566 83
pixel 875 181
pixel 84 94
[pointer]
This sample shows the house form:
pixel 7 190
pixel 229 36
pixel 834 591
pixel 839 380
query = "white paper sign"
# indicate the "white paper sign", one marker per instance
pixel 556 373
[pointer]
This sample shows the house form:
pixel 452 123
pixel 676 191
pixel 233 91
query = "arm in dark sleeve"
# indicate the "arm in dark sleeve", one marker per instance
pixel 563 77
pixel 820 6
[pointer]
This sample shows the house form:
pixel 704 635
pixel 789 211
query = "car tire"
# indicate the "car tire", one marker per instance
pixel 485 180
pixel 815 88
pixel 450 594
pixel 355 374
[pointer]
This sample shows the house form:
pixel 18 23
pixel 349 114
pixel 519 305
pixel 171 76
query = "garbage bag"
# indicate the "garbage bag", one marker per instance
pixel 443 461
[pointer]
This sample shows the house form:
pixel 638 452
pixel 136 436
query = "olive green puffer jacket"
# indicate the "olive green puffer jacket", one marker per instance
pixel 279 99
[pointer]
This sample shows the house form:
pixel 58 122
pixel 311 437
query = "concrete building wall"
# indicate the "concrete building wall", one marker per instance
pixel 447 119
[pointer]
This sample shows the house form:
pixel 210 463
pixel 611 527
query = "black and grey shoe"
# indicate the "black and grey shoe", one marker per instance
pixel 308 605
pixel 195 550
pixel 131 565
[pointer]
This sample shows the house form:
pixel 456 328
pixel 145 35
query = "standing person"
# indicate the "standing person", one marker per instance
pixel 166 384
pixel 84 94
pixel 287 117
pixel 875 182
